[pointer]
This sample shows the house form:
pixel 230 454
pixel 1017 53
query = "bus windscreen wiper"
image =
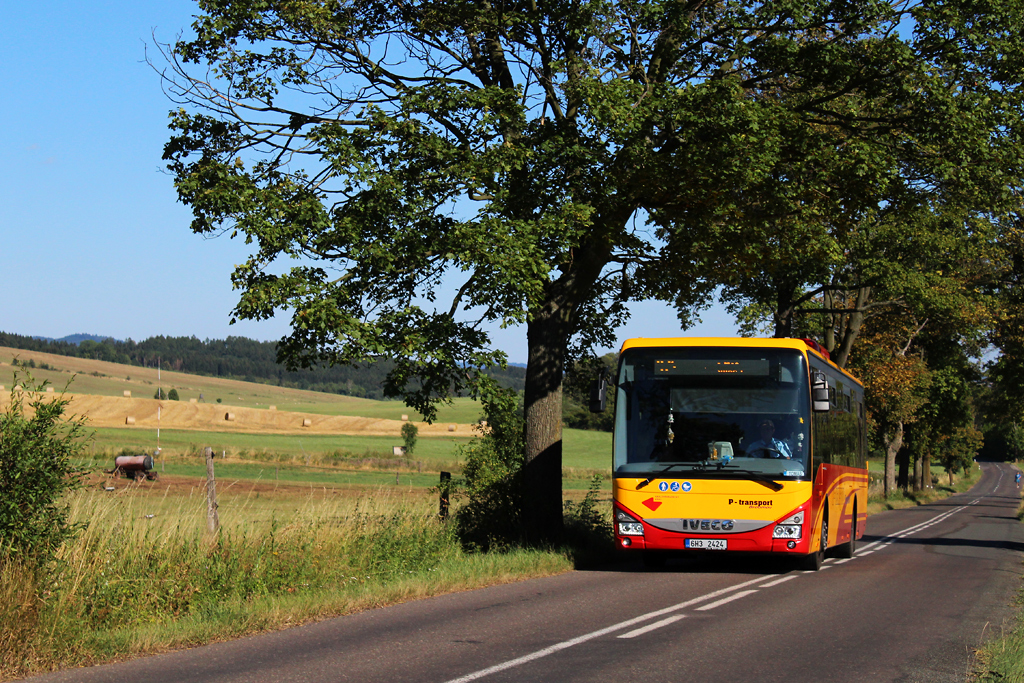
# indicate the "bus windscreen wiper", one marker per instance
pixel 658 474
pixel 759 477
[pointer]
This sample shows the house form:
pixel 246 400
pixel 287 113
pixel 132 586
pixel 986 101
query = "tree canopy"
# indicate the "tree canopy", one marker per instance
pixel 558 160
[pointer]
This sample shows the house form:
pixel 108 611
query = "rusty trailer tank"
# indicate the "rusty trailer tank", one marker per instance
pixel 134 467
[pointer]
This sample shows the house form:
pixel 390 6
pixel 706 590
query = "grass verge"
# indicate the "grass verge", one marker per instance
pixel 133 584
pixel 907 499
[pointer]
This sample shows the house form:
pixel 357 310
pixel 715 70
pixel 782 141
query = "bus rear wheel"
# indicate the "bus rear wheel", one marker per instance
pixel 847 550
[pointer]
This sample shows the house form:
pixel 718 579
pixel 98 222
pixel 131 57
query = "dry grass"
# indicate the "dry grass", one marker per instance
pixel 102 378
pixel 148 413
pixel 144 576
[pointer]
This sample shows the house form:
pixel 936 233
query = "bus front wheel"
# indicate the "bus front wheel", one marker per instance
pixel 814 561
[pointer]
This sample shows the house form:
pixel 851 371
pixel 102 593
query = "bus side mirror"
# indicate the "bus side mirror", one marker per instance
pixel 598 394
pixel 820 394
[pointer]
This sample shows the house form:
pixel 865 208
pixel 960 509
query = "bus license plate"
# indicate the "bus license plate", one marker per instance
pixel 707 543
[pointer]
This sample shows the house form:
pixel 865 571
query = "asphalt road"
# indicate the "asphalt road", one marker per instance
pixel 925 587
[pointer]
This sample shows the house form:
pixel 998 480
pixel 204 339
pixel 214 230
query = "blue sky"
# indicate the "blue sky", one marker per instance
pixel 91 236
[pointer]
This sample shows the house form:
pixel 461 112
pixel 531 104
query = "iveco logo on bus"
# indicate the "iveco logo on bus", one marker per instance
pixel 708 524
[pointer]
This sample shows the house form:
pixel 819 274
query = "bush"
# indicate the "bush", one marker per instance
pixel 492 476
pixel 172 395
pixel 588 529
pixel 36 470
pixel 409 433
pixel 160 394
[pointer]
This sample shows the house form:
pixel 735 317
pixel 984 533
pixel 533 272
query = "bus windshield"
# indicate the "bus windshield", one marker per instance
pixel 712 412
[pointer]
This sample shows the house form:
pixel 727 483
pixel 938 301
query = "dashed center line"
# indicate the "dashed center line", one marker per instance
pixel 719 603
pixel 651 627
pixel 776 582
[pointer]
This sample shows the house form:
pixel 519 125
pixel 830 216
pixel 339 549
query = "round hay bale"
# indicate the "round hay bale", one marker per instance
pixel 405 418
pixel 306 422
pixel 49 390
pixel 230 417
pixel 452 428
pixel 127 393
pixel 129 420
pixel 193 400
pixel 272 408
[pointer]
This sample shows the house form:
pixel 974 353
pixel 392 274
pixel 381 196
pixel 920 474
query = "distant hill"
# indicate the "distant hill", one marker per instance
pixel 76 339
pixel 234 357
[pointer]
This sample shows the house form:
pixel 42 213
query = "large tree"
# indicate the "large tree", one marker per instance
pixel 552 160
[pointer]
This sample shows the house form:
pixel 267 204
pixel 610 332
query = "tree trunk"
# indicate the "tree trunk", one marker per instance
pixel 918 472
pixel 548 332
pixel 828 303
pixel 927 476
pixel 852 328
pixel 542 476
pixel 892 447
pixel 785 290
pixel 903 480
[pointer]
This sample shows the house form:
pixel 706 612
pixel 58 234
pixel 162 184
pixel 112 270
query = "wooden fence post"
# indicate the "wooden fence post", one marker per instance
pixel 212 520
pixel 446 484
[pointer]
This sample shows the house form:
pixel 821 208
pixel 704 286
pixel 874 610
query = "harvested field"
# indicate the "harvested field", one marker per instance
pixel 113 411
pixel 102 378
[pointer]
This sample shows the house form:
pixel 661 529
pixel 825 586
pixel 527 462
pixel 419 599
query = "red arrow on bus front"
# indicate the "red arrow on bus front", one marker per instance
pixel 653 504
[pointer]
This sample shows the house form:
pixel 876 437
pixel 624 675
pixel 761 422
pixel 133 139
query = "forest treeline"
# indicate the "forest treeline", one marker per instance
pixel 233 358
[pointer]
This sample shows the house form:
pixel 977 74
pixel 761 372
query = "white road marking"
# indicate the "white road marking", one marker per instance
pixel 776 582
pixel 651 627
pixel 903 533
pixel 719 603
pixel 557 647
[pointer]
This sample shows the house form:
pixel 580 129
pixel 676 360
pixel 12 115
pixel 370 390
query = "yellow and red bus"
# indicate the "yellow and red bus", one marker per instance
pixel 737 446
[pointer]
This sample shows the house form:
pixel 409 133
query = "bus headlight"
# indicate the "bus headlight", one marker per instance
pixel 791 527
pixel 628 525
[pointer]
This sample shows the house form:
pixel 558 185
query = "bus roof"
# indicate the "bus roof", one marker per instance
pixel 747 342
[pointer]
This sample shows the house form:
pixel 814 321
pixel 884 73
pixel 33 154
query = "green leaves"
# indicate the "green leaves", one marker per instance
pixel 407 174
pixel 37 449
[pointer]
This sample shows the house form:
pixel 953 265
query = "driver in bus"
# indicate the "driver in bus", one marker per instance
pixel 768 446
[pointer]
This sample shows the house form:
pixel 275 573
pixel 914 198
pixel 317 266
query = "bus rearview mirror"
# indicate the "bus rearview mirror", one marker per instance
pixel 598 394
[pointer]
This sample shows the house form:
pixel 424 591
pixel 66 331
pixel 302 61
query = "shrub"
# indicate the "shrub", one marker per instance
pixel 588 530
pixel 36 469
pixel 492 476
pixel 172 395
pixel 160 394
pixel 409 433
